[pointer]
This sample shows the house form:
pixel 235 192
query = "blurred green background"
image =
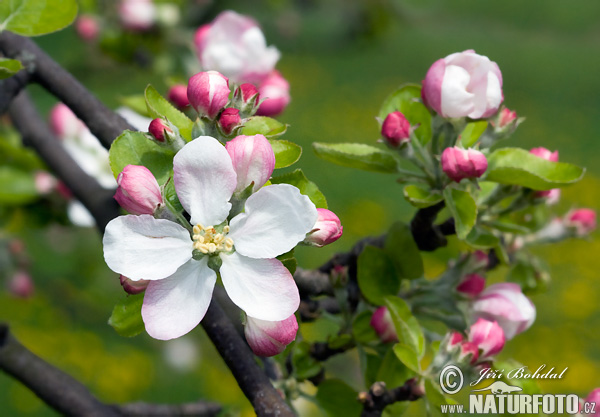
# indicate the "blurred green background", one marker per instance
pixel 341 58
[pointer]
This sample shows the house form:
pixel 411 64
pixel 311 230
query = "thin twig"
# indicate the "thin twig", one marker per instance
pixel 380 397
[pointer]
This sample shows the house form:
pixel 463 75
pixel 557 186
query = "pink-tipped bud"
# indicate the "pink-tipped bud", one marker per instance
pixel 133 287
pixel 482 259
pixel 64 123
pixel 454 339
pixel 593 397
pixel 506 304
pixel 326 230
pixel 159 129
pixel 460 163
pixel 208 92
pixel 87 28
pixel 137 15
pixel 381 321
pixel 275 91
pixel 505 118
pixel 229 119
pixel 138 191
pixel 45 183
pixel 545 154
pixel 582 220
pixel 21 285
pixel 551 197
pixel 178 96
pixel 471 285
pixel 253 161
pixel 200 37
pixel 468 353
pixel 395 129
pixel 487 336
pixel 268 338
pixel 249 93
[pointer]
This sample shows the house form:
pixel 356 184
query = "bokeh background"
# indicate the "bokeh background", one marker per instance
pixel 341 58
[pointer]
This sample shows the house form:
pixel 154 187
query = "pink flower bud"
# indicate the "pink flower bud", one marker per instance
pixel 487 336
pixel 326 230
pixel 178 96
pixel 64 123
pixel 463 84
pixel 551 196
pixel 208 92
pixel 454 339
pixel 253 160
pixel 506 117
pixel 583 220
pixel 471 285
pixel 460 163
pixel 229 119
pixel 201 37
pixel 249 93
pixel 381 321
pixel 44 182
pixel 505 304
pixel 133 287
pixel 268 338
pixel 159 129
pixel 21 285
pixel 137 14
pixel 482 259
pixel 138 191
pixel 593 397
pixel 87 27
pixel 469 352
pixel 395 129
pixel 545 154
pixel 275 91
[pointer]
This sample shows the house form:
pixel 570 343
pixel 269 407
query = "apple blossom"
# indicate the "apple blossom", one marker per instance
pixel 326 230
pixel 583 221
pixel 395 129
pixel 229 120
pixel 208 92
pixel 138 191
pixel 87 27
pixel 64 123
pixel 137 14
pixel 592 398
pixel 249 93
pixel 468 352
pixel 178 96
pixel 453 339
pixel 269 338
pixel 546 154
pixel 158 128
pixel 463 84
pixel 253 161
pixel 381 321
pixel 488 336
pixel 471 285
pixel 506 304
pixel 243 250
pixel 460 163
pixel 505 117
pixel 235 46
pixel 274 93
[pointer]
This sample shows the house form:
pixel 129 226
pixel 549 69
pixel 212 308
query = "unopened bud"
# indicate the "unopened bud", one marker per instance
pixel 208 92
pixel 468 353
pixel 275 92
pixel 253 160
pixel 133 287
pixel 326 230
pixel 487 336
pixel 395 129
pixel 249 93
pixel 229 120
pixel 159 129
pixel 471 285
pixel 178 96
pixel 460 163
pixel 87 28
pixel 505 117
pixel 268 338
pixel 44 182
pixel 582 220
pixel 138 191
pixel 21 285
pixel 381 321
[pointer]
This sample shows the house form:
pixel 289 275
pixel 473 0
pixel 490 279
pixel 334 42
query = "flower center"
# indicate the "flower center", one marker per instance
pixel 208 241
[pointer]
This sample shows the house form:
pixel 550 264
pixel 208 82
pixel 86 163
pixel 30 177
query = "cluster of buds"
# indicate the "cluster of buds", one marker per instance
pixel 485 339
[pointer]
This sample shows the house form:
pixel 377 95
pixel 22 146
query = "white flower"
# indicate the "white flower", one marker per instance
pixel 275 220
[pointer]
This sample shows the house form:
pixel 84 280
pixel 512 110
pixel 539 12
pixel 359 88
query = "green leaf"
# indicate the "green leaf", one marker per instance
pixel 407 356
pixel 403 251
pixel 16 186
pixel 126 317
pixel 135 148
pixel 171 196
pixel 36 17
pixel 338 399
pixel 158 106
pixel 472 133
pixel 262 125
pixel 9 67
pixel 407 327
pixel 376 275
pixel 519 167
pixel 463 208
pixel 393 372
pixel 480 238
pixel 339 341
pixel 305 366
pixel 357 155
pixel 286 153
pixel 306 187
pixel 289 261
pixel 434 396
pixel 407 100
pixel 362 330
pixel 421 196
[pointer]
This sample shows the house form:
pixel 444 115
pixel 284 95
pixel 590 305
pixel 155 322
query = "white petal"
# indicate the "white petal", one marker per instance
pixel 263 288
pixel 175 305
pixel 204 179
pixel 142 247
pixel 456 100
pixel 277 217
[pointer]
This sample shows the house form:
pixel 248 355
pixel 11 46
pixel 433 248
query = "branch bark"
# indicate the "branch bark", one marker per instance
pixel 105 124
pixel 380 397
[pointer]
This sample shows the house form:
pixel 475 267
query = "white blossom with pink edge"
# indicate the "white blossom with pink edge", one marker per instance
pixel 326 230
pixel 463 84
pixel 253 161
pixel 269 338
pixel 137 15
pixel 235 46
pixel 275 220
pixel 506 304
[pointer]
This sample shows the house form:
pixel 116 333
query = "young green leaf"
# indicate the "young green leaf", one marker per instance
pixel 518 167
pixel 262 125
pixel 158 106
pixel 306 187
pixel 357 155
pixel 463 208
pixel 362 330
pixel 338 399
pixel 407 327
pixel 480 238
pixel 421 196
pixel 126 317
pixel 407 356
pixel 472 133
pixel 377 277
pixel 16 186
pixel 407 100
pixel 286 153
pixel 36 17
pixel 9 67
pixel 403 251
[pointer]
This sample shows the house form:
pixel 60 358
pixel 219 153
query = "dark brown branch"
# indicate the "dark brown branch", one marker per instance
pixel 312 282
pixel 380 397
pixel 242 363
pixel 195 409
pixel 102 122
pixel 426 235
pixel 10 87
pixel 36 133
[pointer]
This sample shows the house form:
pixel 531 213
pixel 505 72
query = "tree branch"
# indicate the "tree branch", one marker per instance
pixel 195 409
pixel 36 133
pixel 380 397
pixel 312 282
pixel 10 87
pixel 102 122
